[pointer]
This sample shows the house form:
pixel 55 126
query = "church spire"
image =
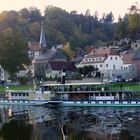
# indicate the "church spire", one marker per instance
pixel 42 41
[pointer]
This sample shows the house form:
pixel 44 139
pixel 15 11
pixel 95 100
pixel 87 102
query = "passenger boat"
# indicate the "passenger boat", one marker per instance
pixel 89 94
pixel 72 94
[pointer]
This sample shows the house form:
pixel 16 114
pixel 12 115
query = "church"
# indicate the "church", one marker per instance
pixel 40 55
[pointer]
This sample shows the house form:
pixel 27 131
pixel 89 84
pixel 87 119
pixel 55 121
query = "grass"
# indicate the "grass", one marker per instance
pixel 126 85
pixel 19 87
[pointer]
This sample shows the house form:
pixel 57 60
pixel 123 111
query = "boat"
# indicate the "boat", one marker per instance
pixel 71 94
pixel 89 94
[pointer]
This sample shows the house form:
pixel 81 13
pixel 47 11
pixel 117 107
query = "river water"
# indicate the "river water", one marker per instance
pixel 69 123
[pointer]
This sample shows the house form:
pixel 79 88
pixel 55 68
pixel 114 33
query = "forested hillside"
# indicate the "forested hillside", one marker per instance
pixel 61 27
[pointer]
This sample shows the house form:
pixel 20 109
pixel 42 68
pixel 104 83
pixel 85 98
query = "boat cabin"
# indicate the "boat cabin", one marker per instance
pixel 84 91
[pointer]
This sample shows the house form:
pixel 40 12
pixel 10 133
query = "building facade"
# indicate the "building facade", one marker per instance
pixel 111 66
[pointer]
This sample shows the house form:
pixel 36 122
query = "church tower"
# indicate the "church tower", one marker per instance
pixel 42 42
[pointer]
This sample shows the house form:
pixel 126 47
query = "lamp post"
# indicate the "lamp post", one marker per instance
pixel 33 73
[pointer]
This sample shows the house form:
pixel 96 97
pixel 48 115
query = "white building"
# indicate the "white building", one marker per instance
pixel 3 74
pixel 111 66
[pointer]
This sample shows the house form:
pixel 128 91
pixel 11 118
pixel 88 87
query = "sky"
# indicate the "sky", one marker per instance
pixel 118 7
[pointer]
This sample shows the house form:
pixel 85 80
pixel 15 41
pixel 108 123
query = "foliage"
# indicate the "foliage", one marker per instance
pixel 87 70
pixel 13 130
pixel 12 52
pixel 23 80
pixel 67 50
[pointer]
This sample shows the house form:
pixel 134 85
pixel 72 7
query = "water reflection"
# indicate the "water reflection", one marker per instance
pixel 68 123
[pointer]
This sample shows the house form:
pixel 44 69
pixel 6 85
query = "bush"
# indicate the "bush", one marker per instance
pixel 23 80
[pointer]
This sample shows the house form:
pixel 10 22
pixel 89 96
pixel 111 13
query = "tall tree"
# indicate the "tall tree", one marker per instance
pixel 134 18
pixel 12 52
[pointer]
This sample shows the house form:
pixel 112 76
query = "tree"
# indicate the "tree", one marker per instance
pixel 13 52
pixel 122 27
pixel 87 70
pixel 134 18
pixel 87 13
pixel 35 14
pixel 25 13
pixel 108 18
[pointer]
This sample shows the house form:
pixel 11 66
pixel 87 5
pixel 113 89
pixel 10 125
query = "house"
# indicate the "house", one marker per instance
pixel 54 68
pixel 42 62
pixel 34 50
pixel 3 74
pixel 136 60
pixel 109 64
pixel 133 58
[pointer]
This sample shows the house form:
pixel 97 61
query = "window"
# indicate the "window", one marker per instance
pixel 113 67
pixel 111 58
pixel 100 58
pixel 101 65
pixel 116 58
pixel 106 65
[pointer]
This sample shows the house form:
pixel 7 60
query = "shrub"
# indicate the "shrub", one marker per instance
pixel 23 80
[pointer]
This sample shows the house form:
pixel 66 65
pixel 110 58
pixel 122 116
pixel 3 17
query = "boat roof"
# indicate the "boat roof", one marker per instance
pixel 68 84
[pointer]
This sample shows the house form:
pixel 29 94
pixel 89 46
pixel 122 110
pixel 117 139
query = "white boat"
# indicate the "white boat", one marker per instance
pixel 72 94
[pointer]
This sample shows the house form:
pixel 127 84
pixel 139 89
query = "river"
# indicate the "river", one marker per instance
pixel 69 123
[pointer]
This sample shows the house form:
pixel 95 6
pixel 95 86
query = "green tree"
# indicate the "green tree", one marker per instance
pixel 12 52
pixel 134 18
pixel 87 70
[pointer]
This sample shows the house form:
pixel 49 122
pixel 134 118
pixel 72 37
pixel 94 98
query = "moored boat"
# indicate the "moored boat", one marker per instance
pixel 72 94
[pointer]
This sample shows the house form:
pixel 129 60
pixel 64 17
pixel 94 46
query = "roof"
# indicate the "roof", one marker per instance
pixel 34 46
pixel 59 65
pixel 104 50
pixel 79 83
pixel 42 41
pixel 127 58
pixel 51 55
pixel 137 55
pixel 89 49
pixel 94 55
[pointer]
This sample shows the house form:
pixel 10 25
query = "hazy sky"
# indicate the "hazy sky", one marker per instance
pixel 116 6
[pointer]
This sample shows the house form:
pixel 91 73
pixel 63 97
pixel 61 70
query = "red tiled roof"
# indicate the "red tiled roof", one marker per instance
pixel 105 50
pixel 89 49
pixel 95 55
pixel 58 65
pixel 34 46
